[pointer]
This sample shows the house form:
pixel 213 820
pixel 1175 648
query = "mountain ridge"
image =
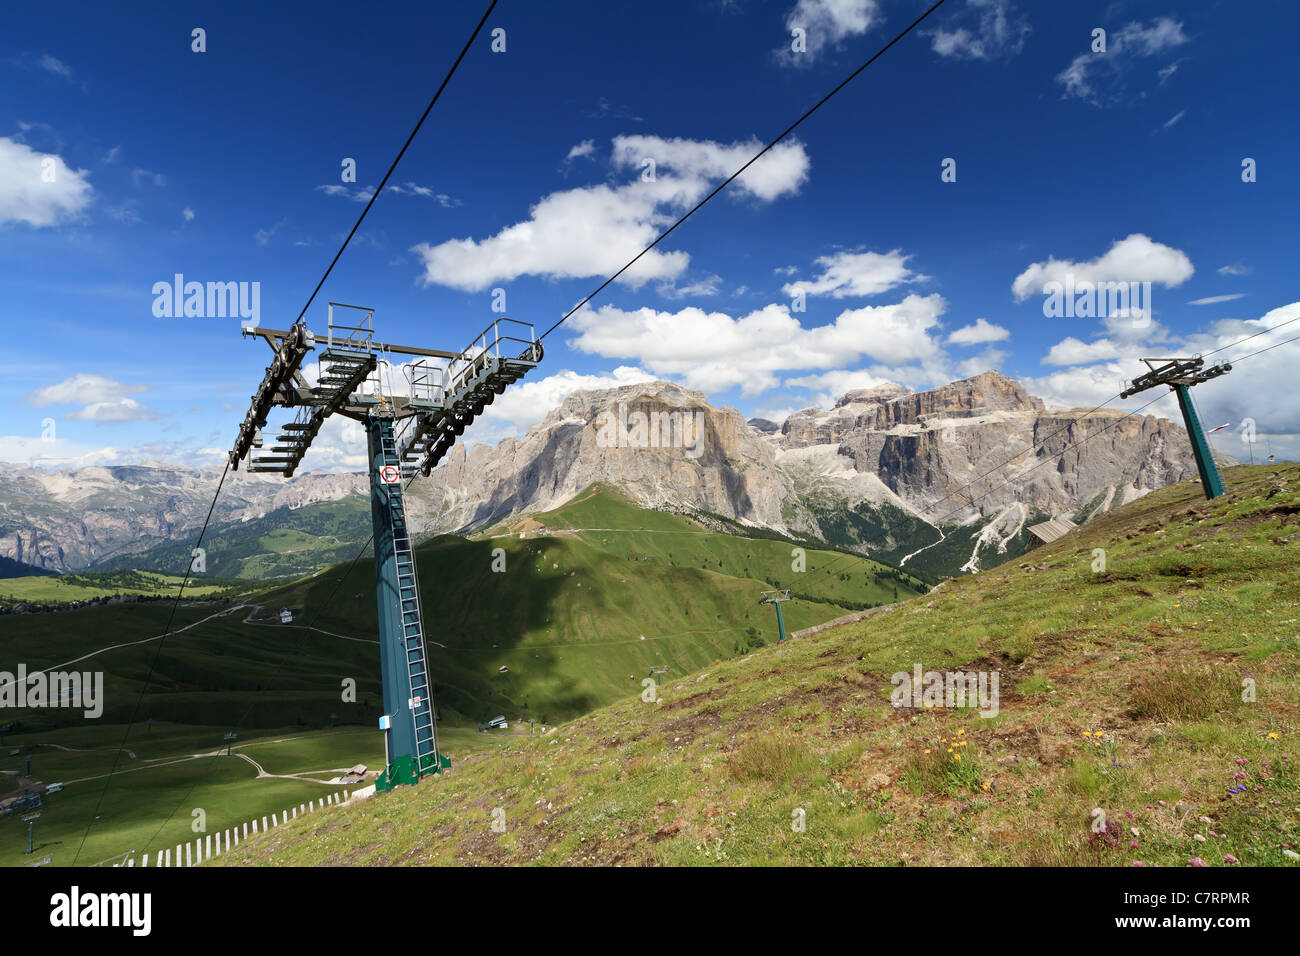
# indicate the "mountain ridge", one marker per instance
pixel 886 471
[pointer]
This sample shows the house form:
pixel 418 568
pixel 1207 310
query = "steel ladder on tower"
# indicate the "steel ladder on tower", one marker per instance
pixel 421 706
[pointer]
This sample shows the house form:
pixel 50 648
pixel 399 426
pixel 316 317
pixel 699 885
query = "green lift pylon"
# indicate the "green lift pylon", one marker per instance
pixel 1180 375
pixel 776 597
pixel 442 398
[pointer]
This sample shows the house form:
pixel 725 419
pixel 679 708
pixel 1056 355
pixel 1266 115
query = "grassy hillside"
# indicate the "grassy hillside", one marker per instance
pixel 1122 692
pixel 51 588
pixel 566 614
pixel 284 543
pixel 579 616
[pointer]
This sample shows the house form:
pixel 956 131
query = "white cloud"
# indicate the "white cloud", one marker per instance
pixel 1134 259
pixel 79 389
pixel 187 214
pixel 584 149
pixel 103 400
pixel 857 274
pixel 990 360
pixel 596 230
pixel 829 388
pixel 263 236
pixel 139 176
pixel 55 65
pixel 826 24
pixel 26 196
pixel 115 411
pixel 1072 351
pixel 981 332
pixel 1174 119
pixel 363 194
pixel 1235 269
pixel 1216 299
pixel 984 30
pixel 712 351
pixel 701 287
pixel 1098 77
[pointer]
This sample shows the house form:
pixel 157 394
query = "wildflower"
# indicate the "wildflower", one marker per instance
pixel 1272 736
pixel 960 732
pixel 957 756
pixel 1229 858
pixel 1137 863
pixel 1087 733
pixel 1197 861
pixel 927 749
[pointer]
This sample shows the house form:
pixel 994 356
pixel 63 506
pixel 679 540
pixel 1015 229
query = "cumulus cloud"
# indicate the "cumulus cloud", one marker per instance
pixel 827 388
pixel 81 388
pixel 39 189
pixel 103 400
pixel 857 274
pixel 990 360
pixel 981 332
pixel 826 24
pixel 983 30
pixel 1072 351
pixel 115 411
pixel 596 230
pixel 1098 78
pixel 1136 258
pixel 714 351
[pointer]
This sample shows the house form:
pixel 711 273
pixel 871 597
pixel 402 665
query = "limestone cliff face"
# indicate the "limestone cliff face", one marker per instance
pixel 704 458
pixel 940 448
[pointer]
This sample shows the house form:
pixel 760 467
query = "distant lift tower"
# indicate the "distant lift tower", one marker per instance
pixel 445 392
pixel 776 597
pixel 1181 375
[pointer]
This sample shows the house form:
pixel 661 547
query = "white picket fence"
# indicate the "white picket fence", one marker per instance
pixel 214 844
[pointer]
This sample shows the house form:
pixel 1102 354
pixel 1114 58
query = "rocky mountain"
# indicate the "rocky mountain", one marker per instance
pixel 69 520
pixel 919 477
pixel 886 471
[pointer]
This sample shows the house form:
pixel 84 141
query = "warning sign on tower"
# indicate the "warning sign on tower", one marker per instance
pixel 389 474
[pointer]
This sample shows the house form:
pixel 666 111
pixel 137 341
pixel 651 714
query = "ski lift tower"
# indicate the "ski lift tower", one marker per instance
pixel 776 597
pixel 1181 374
pixel 444 392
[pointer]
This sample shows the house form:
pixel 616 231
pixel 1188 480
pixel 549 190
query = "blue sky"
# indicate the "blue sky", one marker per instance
pixel 225 165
